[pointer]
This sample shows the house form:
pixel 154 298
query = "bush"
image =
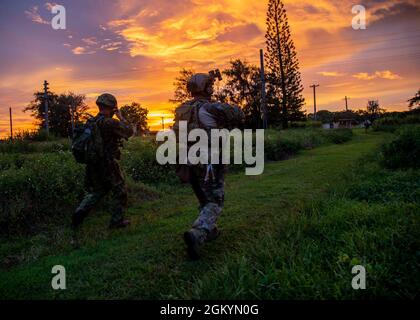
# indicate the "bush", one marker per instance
pixel 29 146
pixel 278 149
pixel 404 151
pixel 306 124
pixel 281 145
pixel 36 188
pixel 44 186
pixel 11 161
pixel 139 161
pixel 16 146
pixel 393 123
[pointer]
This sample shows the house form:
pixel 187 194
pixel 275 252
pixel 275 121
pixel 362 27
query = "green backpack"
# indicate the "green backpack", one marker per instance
pixel 87 144
pixel 188 112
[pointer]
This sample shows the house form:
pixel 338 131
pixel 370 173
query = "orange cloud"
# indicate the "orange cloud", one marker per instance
pixel 79 50
pixel 331 74
pixel 386 74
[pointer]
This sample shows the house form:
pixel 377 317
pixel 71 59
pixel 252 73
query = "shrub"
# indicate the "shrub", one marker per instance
pixel 404 150
pixel 280 145
pixel 392 123
pixel 44 186
pixel 279 149
pixel 16 146
pixel 306 124
pixel 36 188
pixel 29 146
pixel 11 161
pixel 139 161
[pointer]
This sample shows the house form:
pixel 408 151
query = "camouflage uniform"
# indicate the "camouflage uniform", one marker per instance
pixel 207 181
pixel 105 176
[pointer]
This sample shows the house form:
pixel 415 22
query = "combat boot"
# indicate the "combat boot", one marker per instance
pixel 120 224
pixel 78 218
pixel 193 240
pixel 213 234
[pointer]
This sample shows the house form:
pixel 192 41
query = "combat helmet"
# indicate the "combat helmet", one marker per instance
pixel 107 100
pixel 199 84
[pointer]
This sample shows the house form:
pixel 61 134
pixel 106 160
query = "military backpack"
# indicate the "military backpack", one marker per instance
pixel 188 112
pixel 87 144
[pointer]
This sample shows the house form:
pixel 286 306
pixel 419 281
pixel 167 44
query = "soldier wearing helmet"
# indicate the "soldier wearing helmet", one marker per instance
pixel 207 181
pixel 105 176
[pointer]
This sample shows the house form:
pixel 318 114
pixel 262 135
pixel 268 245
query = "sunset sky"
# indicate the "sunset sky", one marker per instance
pixel 135 48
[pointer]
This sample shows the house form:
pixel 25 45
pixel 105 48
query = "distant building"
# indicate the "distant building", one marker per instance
pixel 341 123
pixel 347 123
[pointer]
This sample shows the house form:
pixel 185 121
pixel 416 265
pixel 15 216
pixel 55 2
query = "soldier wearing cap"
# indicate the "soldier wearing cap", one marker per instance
pixel 207 180
pixel 105 176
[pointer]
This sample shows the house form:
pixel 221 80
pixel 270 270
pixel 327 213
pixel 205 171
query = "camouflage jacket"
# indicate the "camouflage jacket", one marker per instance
pixel 113 133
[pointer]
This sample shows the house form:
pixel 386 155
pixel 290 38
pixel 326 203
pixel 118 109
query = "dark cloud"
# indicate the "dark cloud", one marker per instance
pixel 313 10
pixel 397 9
pixel 240 33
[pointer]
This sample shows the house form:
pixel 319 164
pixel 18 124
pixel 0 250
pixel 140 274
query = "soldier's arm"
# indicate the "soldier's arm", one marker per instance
pixel 122 129
pixel 225 113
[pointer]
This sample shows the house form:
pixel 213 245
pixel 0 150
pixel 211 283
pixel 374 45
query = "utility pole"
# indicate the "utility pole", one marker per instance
pixel 11 124
pixel 347 107
pixel 72 110
pixel 47 126
pixel 314 86
pixel 263 93
pixel 163 123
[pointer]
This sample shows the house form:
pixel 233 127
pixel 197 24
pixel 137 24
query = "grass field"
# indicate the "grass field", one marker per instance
pixel 292 233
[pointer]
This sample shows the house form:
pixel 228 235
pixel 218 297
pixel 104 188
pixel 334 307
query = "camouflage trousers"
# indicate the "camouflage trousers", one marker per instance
pixel 209 188
pixel 101 180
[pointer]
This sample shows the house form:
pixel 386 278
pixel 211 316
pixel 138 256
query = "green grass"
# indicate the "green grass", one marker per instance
pixel 291 233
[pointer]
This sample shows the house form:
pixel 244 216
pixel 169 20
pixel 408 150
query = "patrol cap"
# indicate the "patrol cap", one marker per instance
pixel 107 100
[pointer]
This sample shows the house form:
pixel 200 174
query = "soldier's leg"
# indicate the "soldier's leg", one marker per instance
pixel 213 189
pixel 119 203
pixel 95 194
pixel 119 197
pixel 87 204
pixel 195 177
pixel 205 228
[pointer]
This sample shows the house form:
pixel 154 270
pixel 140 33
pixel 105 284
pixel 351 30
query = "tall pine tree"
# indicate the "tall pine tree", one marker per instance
pixel 284 80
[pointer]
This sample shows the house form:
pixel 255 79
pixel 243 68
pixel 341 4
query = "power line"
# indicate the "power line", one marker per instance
pixel 11 124
pixel 346 99
pixel 47 126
